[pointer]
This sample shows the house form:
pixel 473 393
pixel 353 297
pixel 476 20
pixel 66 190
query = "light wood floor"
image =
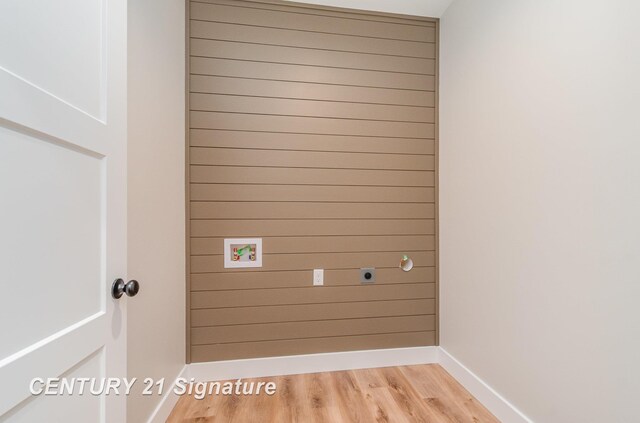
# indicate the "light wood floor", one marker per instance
pixel 424 393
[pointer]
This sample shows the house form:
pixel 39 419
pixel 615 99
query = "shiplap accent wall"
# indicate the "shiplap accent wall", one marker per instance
pixel 315 129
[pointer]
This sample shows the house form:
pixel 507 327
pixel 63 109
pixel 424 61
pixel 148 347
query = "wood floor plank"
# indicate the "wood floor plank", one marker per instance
pixel 429 388
pixel 377 398
pixel 420 393
pixel 350 398
pixel 290 406
pixel 406 396
pixel 325 399
pixel 444 394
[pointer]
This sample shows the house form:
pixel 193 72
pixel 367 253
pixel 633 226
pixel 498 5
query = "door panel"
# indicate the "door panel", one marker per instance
pixel 52 235
pixel 85 408
pixel 62 219
pixel 48 62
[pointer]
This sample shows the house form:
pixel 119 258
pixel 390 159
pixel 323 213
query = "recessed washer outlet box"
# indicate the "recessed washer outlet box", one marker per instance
pixel 367 275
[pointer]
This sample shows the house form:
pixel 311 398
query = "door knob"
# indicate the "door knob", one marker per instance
pixel 130 288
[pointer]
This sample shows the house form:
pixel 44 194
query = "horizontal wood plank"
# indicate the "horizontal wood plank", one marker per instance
pixel 310 108
pixel 336 244
pixel 312 40
pixel 309 159
pixel 201 353
pixel 309 125
pixel 313 9
pixel 303 56
pixel 234 192
pixel 300 312
pixel 265 228
pixel 310 210
pixel 310 329
pixel 310 75
pixel 308 261
pixel 308 142
pixel 303 278
pixel 308 22
pixel 309 91
pixel 310 295
pixel 309 176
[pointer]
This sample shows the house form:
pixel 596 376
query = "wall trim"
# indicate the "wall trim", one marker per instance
pixel 311 363
pixel 168 401
pixel 485 394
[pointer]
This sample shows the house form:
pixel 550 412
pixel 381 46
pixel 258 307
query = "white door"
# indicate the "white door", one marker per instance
pixel 62 204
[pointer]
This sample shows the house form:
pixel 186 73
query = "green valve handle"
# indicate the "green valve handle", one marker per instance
pixel 243 250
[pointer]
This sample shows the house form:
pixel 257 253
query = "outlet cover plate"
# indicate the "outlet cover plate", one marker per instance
pixel 318 277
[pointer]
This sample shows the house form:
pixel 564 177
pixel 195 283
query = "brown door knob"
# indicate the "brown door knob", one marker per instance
pixel 119 287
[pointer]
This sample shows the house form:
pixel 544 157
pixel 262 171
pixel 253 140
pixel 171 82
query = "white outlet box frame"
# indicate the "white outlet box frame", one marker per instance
pixel 228 263
pixel 320 276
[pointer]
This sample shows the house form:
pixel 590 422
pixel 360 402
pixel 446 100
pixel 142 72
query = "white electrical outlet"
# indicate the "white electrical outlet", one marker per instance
pixel 318 277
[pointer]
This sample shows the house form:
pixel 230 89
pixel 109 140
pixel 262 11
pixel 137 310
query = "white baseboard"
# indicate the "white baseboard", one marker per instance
pixel 485 394
pixel 168 401
pixel 310 363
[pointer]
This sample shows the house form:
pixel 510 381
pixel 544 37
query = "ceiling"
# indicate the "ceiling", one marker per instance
pixel 431 8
